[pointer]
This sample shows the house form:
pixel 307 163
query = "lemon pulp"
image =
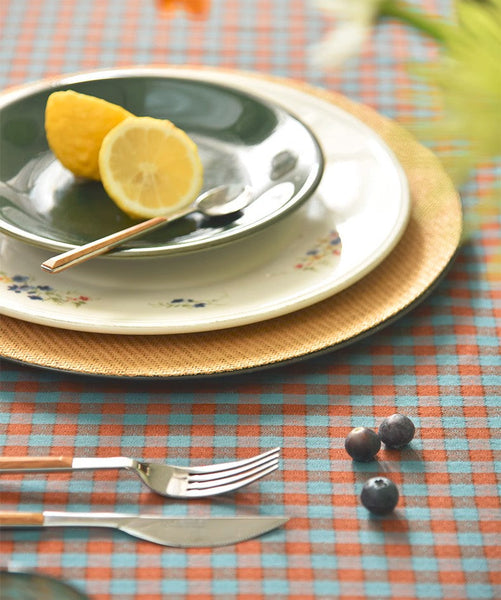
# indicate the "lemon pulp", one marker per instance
pixel 149 167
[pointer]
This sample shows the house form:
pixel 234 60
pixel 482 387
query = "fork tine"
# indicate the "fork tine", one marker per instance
pixel 219 488
pixel 240 469
pixel 206 480
pixel 230 465
pixel 208 483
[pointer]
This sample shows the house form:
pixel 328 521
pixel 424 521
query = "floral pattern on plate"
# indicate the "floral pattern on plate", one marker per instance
pixel 186 303
pixel 23 284
pixel 324 248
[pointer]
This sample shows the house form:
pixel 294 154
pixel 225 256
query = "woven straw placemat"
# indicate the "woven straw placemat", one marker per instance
pixel 426 248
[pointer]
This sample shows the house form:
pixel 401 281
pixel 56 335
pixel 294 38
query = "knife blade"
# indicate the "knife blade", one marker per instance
pixel 175 532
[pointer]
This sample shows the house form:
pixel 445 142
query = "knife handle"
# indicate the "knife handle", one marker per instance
pixel 17 519
pixel 21 463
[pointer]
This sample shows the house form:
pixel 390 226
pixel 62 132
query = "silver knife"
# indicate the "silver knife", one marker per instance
pixel 176 532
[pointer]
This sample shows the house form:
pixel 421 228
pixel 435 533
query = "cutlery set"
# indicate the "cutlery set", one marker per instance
pixel 167 480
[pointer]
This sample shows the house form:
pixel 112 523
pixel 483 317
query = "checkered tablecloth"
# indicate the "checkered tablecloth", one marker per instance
pixel 439 364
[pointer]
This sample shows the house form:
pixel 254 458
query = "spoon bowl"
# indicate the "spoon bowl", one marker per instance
pixel 223 200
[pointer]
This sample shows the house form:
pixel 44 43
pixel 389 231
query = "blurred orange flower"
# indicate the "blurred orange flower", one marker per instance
pixel 193 7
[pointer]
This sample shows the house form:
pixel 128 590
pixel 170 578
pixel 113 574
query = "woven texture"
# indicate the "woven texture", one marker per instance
pixel 439 363
pixel 426 248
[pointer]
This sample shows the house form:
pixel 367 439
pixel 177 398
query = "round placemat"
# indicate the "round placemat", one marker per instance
pixel 424 251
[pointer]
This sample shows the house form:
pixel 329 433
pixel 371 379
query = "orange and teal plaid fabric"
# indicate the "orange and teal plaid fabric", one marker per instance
pixel 439 364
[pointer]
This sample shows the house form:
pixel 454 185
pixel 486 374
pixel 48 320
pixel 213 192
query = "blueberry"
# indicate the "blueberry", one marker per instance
pixel 362 444
pixel 379 495
pixel 396 431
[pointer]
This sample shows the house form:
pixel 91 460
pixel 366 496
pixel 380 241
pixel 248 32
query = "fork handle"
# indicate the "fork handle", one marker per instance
pixel 21 463
pixel 11 464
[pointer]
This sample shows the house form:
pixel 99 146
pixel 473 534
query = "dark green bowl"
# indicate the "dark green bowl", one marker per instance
pixel 241 139
pixel 33 586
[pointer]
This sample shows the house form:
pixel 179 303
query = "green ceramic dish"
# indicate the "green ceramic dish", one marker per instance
pixel 34 586
pixel 241 139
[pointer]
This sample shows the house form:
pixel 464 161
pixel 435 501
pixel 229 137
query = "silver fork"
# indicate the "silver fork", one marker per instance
pixel 166 480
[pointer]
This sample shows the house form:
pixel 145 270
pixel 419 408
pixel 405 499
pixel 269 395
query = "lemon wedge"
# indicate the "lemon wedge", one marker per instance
pixel 75 126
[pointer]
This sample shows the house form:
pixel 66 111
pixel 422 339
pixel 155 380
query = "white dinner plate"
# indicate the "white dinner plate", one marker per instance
pixel 351 223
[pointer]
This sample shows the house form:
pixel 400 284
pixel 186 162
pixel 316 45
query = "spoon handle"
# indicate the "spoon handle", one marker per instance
pixel 82 253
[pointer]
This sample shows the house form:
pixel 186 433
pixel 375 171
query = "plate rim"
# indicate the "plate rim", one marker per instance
pixel 266 366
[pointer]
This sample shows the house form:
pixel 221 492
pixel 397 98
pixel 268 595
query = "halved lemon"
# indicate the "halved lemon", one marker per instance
pixel 75 125
pixel 149 167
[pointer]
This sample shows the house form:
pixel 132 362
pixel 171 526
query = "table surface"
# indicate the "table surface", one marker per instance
pixel 439 364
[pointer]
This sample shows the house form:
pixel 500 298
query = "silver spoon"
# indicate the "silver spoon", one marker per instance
pixel 216 202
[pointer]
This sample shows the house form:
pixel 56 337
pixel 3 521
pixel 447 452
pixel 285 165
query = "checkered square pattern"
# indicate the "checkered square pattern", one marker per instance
pixel 439 364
